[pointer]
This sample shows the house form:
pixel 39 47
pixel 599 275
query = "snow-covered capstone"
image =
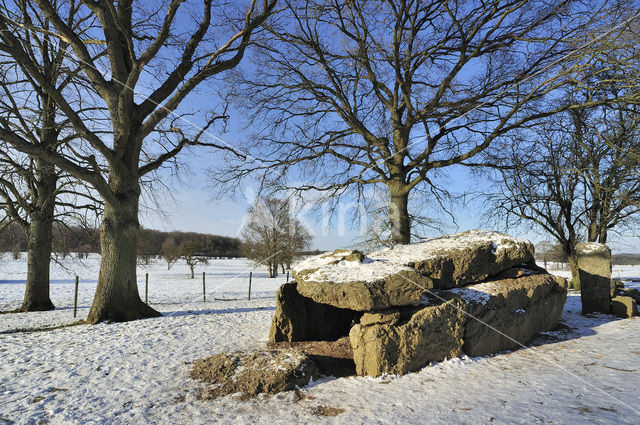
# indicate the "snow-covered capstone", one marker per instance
pixel 457 260
pixel 349 279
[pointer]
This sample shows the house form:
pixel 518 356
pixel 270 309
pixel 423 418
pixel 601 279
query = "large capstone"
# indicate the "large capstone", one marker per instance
pixel 299 318
pixel 505 314
pixel 350 280
pixel 401 341
pixel 594 264
pixel 460 259
pixel 251 373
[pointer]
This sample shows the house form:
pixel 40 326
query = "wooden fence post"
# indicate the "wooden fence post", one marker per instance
pixel 75 299
pixel 250 276
pixel 204 289
pixel 146 288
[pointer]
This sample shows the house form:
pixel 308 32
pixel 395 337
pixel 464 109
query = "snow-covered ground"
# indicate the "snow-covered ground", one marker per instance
pixel 585 372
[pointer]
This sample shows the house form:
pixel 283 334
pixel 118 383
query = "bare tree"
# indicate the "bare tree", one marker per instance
pixel 352 93
pixel 575 177
pixel 272 235
pixel 191 252
pixel 169 251
pixel 547 252
pixel 141 64
pixel 33 192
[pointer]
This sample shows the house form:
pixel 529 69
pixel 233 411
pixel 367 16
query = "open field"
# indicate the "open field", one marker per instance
pixel 584 372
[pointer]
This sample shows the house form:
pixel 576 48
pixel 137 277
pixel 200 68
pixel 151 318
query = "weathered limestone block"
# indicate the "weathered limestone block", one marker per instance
pixel 382 317
pixel 624 306
pixel 348 279
pixel 617 286
pixel 631 292
pixel 506 313
pixel 251 373
pixel 460 259
pixel 298 318
pixel 594 264
pixel 431 333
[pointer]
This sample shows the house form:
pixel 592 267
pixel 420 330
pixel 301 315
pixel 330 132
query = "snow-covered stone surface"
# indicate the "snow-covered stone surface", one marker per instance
pixel 585 372
pixel 589 247
pixel 478 294
pixel 460 259
pixel 351 280
pixel 332 267
pixel 435 247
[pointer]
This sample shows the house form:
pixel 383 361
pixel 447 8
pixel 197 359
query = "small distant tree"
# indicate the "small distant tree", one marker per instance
pixel 169 251
pixel 272 236
pixel 296 240
pixel 188 250
pixel 548 251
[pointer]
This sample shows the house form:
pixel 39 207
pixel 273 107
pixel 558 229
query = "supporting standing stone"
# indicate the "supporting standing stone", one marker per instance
pixel 594 263
pixel 385 343
pixel 623 307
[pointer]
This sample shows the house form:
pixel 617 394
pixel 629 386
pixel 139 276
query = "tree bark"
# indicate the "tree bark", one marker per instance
pixel 573 266
pixel 399 215
pixel 40 235
pixel 602 238
pixel 117 298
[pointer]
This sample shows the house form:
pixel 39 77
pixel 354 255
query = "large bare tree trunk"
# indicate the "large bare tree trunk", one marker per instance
pixel 399 215
pixel 117 298
pixel 40 235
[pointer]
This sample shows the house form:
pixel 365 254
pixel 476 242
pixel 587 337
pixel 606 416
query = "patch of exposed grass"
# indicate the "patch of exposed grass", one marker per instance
pixel 327 411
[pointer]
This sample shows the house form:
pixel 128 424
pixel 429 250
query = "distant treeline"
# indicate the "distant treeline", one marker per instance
pixel 626 259
pixel 68 239
pixel 556 256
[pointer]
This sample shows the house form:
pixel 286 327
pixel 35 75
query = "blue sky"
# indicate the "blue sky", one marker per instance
pixel 190 206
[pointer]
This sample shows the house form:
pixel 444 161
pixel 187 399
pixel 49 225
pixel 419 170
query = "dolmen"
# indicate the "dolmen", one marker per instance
pixel 476 293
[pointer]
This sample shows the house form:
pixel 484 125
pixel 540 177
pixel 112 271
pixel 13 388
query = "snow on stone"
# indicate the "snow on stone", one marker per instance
pixel 353 271
pixel 331 267
pixel 435 247
pixel 588 247
pixel 478 294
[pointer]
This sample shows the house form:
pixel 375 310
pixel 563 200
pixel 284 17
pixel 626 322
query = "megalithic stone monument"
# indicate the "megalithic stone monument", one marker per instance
pixel 594 264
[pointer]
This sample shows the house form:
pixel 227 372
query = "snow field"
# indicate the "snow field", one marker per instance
pixel 138 372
